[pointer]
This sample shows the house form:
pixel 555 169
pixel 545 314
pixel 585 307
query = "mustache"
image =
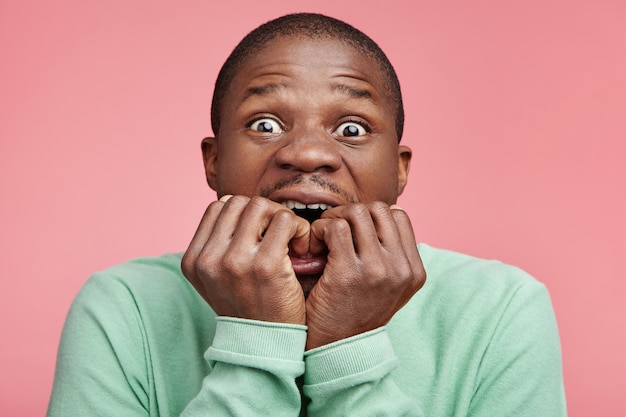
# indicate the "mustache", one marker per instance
pixel 314 179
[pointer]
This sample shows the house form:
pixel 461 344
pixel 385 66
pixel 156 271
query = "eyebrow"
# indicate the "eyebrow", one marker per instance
pixel 262 90
pixel 351 91
pixel 271 88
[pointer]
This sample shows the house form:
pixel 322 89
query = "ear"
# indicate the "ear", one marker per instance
pixel 209 155
pixel 404 163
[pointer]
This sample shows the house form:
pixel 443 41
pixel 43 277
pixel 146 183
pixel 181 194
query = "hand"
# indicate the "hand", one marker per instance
pixel 373 269
pixel 238 259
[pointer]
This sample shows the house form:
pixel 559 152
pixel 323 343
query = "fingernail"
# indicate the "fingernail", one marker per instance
pixel 395 207
pixel 225 198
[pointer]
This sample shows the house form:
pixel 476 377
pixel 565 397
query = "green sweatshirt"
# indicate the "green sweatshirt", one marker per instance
pixel 479 339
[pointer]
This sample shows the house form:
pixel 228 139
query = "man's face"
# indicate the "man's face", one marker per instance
pixel 308 122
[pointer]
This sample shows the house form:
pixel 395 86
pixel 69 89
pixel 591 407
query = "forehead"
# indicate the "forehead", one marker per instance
pixel 306 62
pixel 316 54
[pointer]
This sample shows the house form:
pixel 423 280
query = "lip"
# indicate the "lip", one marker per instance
pixel 308 266
pixel 306 196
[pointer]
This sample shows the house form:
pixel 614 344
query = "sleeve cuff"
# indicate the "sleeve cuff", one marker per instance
pixel 248 342
pixel 364 357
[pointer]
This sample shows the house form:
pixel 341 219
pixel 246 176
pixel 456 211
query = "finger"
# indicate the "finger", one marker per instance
pixel 286 231
pixel 386 227
pixel 256 218
pixel 335 234
pixel 203 232
pixel 405 230
pixel 410 246
pixel 226 223
pixel 403 226
pixel 316 243
pixel 364 234
pixel 300 241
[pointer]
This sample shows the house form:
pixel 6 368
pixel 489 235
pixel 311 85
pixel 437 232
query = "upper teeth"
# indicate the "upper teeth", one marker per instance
pixel 292 204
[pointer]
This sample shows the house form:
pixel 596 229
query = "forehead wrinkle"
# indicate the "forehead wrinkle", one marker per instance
pixel 263 90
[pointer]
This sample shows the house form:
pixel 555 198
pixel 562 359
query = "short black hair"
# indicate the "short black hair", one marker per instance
pixel 312 25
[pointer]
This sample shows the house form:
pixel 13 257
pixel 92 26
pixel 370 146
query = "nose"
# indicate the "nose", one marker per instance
pixel 309 151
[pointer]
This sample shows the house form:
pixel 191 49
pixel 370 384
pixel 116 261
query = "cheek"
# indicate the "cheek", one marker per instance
pixel 377 177
pixel 237 170
pixel 242 167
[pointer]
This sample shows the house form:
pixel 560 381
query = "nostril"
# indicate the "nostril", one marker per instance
pixel 308 168
pixel 309 154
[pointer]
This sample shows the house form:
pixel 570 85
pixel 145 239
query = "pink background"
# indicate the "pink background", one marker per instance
pixel 515 111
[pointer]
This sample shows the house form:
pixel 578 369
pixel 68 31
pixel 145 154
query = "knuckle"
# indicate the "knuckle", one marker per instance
pixel 358 210
pixel 258 201
pixel 283 216
pixel 237 201
pixel 420 278
pixel 400 215
pixel 339 226
pixel 231 263
pixel 205 257
pixel 378 207
pixel 415 280
pixel 263 267
pixel 215 205
pixel 187 265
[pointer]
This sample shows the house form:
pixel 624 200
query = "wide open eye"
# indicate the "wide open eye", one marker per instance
pixel 266 125
pixel 350 129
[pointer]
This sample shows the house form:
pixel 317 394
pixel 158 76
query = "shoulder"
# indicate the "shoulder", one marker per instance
pixel 155 269
pixel 489 326
pixel 464 289
pixel 464 275
pixel 149 285
pixel 140 276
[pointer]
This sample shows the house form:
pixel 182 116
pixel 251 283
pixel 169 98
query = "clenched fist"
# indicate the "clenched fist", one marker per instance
pixel 239 260
pixel 242 259
pixel 373 269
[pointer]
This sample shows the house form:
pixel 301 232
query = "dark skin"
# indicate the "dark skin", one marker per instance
pixel 308 121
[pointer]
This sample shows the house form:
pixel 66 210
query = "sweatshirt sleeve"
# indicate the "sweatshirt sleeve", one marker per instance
pixel 352 377
pixel 254 366
pixel 105 368
pixel 101 362
pixel 520 373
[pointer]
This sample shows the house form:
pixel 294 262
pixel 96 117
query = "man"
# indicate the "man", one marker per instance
pixel 305 290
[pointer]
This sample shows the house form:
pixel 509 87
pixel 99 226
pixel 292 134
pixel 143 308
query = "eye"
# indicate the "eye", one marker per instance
pixel 350 129
pixel 266 125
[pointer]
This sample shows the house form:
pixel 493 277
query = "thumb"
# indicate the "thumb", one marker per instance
pixel 299 244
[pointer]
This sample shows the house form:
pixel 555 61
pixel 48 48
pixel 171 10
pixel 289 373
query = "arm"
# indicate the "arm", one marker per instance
pixel 254 366
pixel 105 364
pixel 373 269
pixel 518 372
pixel 520 369
pixel 238 262
pixel 521 373
pixel 101 366
pixel 353 377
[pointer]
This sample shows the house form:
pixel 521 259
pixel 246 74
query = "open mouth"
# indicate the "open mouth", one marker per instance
pixel 309 212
